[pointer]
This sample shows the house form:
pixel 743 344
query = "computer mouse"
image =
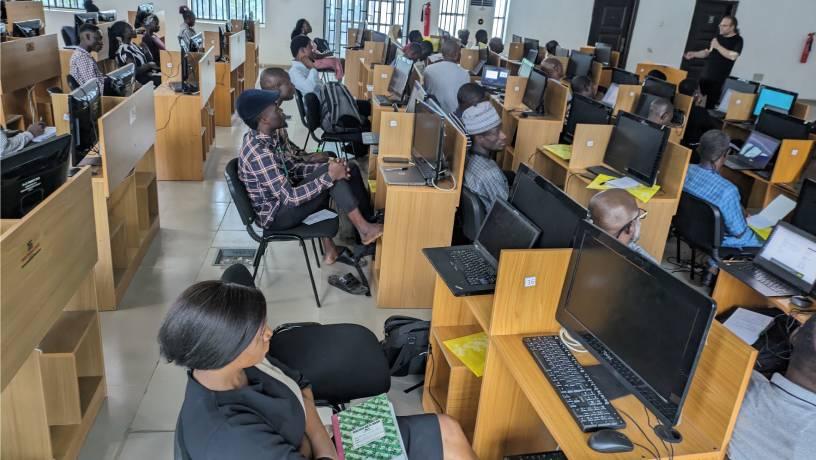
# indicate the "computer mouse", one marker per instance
pixel 609 441
pixel 800 301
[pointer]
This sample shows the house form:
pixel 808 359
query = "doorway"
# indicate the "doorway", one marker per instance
pixel 704 27
pixel 612 23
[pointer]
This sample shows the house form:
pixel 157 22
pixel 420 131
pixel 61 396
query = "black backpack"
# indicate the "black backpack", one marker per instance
pixel 406 344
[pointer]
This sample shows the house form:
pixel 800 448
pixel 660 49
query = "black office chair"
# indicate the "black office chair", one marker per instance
pixel 301 233
pixel 471 214
pixel 69 36
pixel 312 116
pixel 72 83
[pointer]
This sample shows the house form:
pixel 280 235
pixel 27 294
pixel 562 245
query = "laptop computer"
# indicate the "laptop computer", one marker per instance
pixel 757 152
pixel 471 269
pixel 494 78
pixel 785 266
pixel 401 174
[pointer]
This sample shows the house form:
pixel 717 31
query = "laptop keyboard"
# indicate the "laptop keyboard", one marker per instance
pixel 383 100
pixel 766 279
pixel 478 272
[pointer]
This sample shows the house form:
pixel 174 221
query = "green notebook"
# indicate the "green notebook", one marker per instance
pixel 368 431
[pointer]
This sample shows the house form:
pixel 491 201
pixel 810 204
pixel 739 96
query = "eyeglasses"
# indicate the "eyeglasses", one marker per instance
pixel 642 213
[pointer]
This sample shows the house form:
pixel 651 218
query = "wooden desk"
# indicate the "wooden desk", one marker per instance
pixel 353 69
pixel 229 79
pixel 17 11
pixel 673 74
pixel 28 67
pixel 730 292
pixel 53 374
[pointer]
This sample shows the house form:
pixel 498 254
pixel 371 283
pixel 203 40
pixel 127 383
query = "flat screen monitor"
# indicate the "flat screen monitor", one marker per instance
pixel 779 98
pixel 660 88
pixel 548 207
pixel 562 52
pixel 30 175
pixel 781 125
pixel 84 18
pixel 249 28
pixel 84 109
pixel 399 80
pixel 390 51
pixel 580 64
pixel 378 36
pixel 534 93
pixel 636 147
pixel 428 136
pixel 759 150
pixel 517 39
pixel 529 45
pixel 494 77
pixel 107 16
pixel 584 110
pixel 622 77
pixel 603 53
pixel 197 43
pixel 120 82
pixel 142 12
pixel 644 103
pixel 645 326
pixel 417 94
pixel 525 68
pixel 505 228
pixel 804 216
pixel 739 85
pixel 24 29
pixel 531 55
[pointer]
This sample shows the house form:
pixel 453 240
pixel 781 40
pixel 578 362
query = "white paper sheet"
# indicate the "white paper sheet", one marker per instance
pixel 780 207
pixel 319 216
pixel 747 324
pixel 623 182
pixel 48 133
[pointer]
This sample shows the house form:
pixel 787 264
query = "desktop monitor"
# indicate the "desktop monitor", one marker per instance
pixel 418 94
pixel 120 82
pixel 734 84
pixel 525 68
pixel 142 12
pixel 189 79
pixel 636 147
pixel 197 43
pixel 428 139
pixel 562 52
pixel 644 103
pixel 517 39
pixel 660 88
pixel 804 216
pixel 645 326
pixel 775 97
pixel 781 125
pixel 534 93
pixel 222 46
pixel 603 53
pixel 30 175
pixel 107 16
pixel 548 207
pixel 249 28
pixel 84 18
pixel 530 44
pixel 378 36
pixel 584 110
pixel 531 55
pixel 23 29
pixel 390 51
pixel 622 77
pixel 580 64
pixel 84 109
pixel 399 80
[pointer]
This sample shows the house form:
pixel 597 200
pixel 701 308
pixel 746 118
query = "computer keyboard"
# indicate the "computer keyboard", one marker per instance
pixel 588 406
pixel 477 271
pixel 383 100
pixel 555 455
pixel 765 278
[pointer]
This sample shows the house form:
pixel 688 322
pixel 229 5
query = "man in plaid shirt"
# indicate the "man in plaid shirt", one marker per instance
pixel 285 191
pixel 83 67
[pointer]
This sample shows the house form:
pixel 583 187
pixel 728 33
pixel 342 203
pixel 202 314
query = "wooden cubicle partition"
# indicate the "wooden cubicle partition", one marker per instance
pixel 469 58
pixel 673 74
pixel 515 52
pixel 252 57
pixel 229 77
pixel 53 374
pixel 381 79
pixel 170 65
pixel 28 67
pixel 374 52
pixel 627 97
pixel 17 11
pixel 353 71
pixel 740 106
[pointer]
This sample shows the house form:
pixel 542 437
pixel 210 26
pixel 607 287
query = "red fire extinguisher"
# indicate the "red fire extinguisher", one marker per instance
pixel 426 19
pixel 808 48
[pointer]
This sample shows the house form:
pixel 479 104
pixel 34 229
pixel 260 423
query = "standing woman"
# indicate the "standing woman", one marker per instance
pixel 323 59
pixel 150 39
pixel 186 30
pixel 720 57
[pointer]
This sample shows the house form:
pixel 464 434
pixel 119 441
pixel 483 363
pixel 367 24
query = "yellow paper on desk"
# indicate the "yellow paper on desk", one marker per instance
pixel 471 350
pixel 563 151
pixel 763 233
pixel 372 185
pixel 641 192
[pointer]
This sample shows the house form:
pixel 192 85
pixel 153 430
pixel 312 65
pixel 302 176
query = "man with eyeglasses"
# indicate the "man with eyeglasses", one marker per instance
pixel 616 212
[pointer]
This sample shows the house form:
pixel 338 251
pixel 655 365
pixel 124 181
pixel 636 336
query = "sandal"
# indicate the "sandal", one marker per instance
pixel 347 283
pixel 345 256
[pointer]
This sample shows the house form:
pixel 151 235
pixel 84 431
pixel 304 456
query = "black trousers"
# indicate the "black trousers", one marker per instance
pixel 348 195
pixel 712 89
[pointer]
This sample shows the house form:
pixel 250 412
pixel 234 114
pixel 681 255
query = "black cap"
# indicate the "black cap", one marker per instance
pixel 253 102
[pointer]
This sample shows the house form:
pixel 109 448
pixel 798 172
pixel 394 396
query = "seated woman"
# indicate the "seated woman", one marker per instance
pixel 122 49
pixel 186 30
pixel 323 59
pixel 241 404
pixel 150 39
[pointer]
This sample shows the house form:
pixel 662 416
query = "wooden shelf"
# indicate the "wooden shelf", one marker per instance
pixel 145 178
pixel 67 333
pixel 482 308
pixel 444 333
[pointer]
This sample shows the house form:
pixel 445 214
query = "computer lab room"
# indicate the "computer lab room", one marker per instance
pixel 407 230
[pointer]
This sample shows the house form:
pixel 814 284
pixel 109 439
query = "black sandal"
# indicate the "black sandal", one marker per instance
pixel 345 256
pixel 347 283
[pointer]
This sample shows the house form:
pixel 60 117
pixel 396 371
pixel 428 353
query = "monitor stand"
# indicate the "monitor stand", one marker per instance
pixel 668 434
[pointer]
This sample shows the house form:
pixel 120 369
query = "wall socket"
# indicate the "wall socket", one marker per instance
pixel 758 76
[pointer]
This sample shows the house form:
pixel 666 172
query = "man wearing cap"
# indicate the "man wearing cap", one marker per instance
pixel 482 175
pixel 285 191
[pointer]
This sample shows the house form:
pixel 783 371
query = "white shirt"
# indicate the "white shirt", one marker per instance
pixel 11 145
pixel 443 80
pixel 306 80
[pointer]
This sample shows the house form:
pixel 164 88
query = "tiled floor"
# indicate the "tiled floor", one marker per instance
pixel 144 394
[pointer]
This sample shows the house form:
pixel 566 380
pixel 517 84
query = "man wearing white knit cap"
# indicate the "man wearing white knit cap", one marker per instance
pixel 482 175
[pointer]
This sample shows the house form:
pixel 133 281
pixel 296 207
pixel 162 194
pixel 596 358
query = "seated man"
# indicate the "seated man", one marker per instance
pixel 776 419
pixel 583 85
pixel 481 38
pixel 699 121
pixel 469 95
pixel 284 191
pixel 551 47
pixel 83 67
pixel 483 176
pixel 616 212
pixel 443 79
pixel 661 111
pixel 464 37
pixel 705 182
pixel 552 68
pixel 13 144
pixel 496 45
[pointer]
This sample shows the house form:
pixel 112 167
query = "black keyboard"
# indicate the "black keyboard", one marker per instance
pixel 764 277
pixel 478 272
pixel 385 100
pixel 555 455
pixel 588 406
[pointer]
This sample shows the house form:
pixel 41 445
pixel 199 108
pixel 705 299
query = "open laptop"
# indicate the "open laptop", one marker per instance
pixel 494 78
pixel 471 270
pixel 785 266
pixel 757 152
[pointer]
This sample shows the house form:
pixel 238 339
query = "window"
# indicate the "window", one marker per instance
pixel 379 15
pixel 500 18
pixel 225 10
pixel 65 4
pixel 453 15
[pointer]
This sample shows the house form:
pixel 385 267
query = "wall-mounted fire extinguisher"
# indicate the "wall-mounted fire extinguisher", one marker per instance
pixel 426 19
pixel 808 48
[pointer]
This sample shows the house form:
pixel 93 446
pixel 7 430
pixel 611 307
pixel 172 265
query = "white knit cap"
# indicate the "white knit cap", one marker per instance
pixel 480 118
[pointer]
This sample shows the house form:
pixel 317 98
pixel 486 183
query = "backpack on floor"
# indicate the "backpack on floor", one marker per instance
pixel 338 109
pixel 406 344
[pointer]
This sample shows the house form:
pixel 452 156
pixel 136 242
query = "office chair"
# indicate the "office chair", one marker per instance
pixel 312 114
pixel 69 36
pixel 301 233
pixel 471 213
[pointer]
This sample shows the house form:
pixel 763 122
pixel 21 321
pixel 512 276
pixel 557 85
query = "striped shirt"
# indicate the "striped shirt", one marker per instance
pixel 84 69
pixel 485 179
pixel 128 52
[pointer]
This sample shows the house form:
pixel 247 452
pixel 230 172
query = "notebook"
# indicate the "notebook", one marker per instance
pixel 368 431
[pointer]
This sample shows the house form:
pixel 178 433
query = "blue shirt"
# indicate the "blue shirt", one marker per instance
pixel 708 185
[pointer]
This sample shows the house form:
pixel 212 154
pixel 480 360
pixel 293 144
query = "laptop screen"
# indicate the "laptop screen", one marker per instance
pixel 790 254
pixel 775 97
pixel 494 77
pixel 526 68
pixel 505 228
pixel 759 149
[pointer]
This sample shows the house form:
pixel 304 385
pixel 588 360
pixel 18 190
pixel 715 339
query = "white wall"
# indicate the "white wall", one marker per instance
pixel 661 30
pixel 480 12
pixel 567 21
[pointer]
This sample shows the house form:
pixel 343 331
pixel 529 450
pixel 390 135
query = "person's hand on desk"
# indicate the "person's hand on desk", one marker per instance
pixel 36 129
pixel 338 170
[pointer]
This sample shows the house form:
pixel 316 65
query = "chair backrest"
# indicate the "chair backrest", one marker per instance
pixel 698 223
pixel 69 36
pixel 472 214
pixel 311 105
pixel 300 107
pixel 239 193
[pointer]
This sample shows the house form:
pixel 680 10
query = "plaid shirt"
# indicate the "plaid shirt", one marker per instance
pixel 290 150
pixel 708 185
pixel 267 173
pixel 484 178
pixel 84 69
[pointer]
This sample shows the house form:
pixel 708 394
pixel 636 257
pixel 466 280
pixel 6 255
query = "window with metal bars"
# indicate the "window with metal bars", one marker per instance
pixel 453 15
pixel 225 10
pixel 64 4
pixel 379 15
pixel 500 18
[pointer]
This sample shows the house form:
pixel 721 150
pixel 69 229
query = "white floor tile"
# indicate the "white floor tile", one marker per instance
pixel 142 446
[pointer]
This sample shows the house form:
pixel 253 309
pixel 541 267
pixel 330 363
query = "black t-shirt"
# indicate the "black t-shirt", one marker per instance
pixel 718 67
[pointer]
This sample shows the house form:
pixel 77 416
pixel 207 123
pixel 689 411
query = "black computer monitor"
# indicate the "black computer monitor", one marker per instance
pixel 517 38
pixel 84 18
pixel 228 27
pixel 189 81
pixel 645 326
pixel 584 110
pixel 781 125
pixel 378 36
pixel 390 51
pixel 107 16
pixel 548 207
pixel 197 43
pixel 534 93
pixel 142 12
pixel 249 29
pixel 120 82
pixel 530 44
pixel 24 29
pixel 580 64
pixel 603 53
pixel 739 85
pixel 531 55
pixel 222 46
pixel 776 97
pixel 660 88
pixel 84 109
pixel 636 147
pixel 622 77
pixel 402 71
pixel 644 104
pixel 804 216
pixel 30 175
pixel 428 139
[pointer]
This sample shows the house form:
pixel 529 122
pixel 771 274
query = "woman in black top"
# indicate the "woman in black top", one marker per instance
pixel 238 405
pixel 720 57
pixel 125 52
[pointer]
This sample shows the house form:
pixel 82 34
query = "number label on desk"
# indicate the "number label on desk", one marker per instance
pixel 529 281
pixel 590 144
pixel 393 123
pixel 384 76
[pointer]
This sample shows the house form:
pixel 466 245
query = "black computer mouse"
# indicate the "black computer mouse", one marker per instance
pixel 609 441
pixel 800 301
